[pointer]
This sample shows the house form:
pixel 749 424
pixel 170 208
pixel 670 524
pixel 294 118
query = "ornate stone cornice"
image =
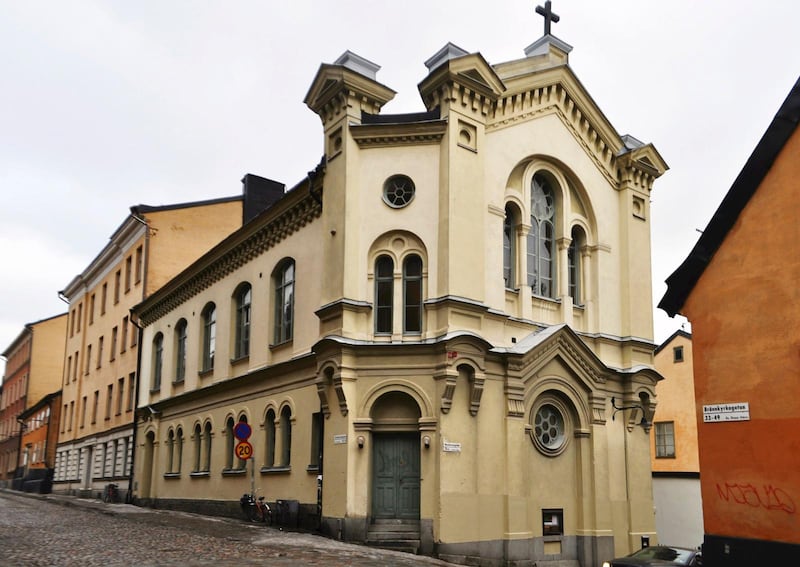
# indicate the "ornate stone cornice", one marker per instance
pixel 382 135
pixel 279 227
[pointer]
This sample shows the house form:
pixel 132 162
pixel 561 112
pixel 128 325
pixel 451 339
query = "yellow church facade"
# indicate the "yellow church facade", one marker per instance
pixel 430 334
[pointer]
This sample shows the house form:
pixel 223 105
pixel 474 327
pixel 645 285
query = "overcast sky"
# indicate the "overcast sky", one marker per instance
pixel 109 104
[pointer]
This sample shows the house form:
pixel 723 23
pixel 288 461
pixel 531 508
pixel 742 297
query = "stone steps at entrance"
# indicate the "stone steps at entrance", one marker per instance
pixel 399 535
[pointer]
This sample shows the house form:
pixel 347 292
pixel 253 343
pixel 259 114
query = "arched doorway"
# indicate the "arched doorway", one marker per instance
pixel 395 457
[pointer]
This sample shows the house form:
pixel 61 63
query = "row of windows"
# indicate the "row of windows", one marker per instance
pixel 274 451
pixel 114 401
pixel 134 265
pixel 283 281
pixel 119 336
pixel 108 460
pixel 540 246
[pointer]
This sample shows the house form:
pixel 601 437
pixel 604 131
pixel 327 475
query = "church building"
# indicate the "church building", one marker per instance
pixel 440 339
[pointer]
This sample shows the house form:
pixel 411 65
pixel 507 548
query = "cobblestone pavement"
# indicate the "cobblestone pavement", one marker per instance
pixel 65 531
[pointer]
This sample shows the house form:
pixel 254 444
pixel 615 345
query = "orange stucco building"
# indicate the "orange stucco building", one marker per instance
pixel 738 287
pixel 673 446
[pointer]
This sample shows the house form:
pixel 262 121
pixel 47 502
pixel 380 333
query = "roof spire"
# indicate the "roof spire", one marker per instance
pixel 548 15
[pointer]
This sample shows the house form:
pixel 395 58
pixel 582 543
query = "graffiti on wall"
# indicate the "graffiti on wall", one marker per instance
pixel 767 496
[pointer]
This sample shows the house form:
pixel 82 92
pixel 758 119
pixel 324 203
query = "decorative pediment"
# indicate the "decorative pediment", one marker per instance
pixel 337 87
pixel 468 78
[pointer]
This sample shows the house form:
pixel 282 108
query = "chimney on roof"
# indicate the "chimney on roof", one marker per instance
pixel 259 194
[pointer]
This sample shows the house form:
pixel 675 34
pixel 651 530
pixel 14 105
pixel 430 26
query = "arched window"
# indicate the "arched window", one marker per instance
pixel 242 335
pixel 269 450
pixel 510 249
pixel 384 294
pixel 198 445
pixel 541 239
pixel 177 451
pixel 209 336
pixel 574 263
pixel 286 436
pixel 412 294
pixel 170 450
pixel 207 441
pixel 230 442
pixel 180 350
pixel 158 357
pixel 283 284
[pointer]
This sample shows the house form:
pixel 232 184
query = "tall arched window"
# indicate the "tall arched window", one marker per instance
pixel 574 263
pixel 242 337
pixel 384 294
pixel 180 350
pixel 541 239
pixel 230 442
pixel 158 358
pixel 286 436
pixel 509 249
pixel 170 450
pixel 177 459
pixel 269 449
pixel 209 336
pixel 207 442
pixel 283 283
pixel 198 445
pixel 412 294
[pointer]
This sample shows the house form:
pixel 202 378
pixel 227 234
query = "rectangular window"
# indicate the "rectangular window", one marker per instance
pixel 72 323
pixel 75 371
pixel 64 421
pixel 83 413
pixel 123 343
pixel 120 394
pixel 139 264
pixel 117 283
pixel 99 352
pixel 80 315
pixel 677 354
pixel 131 390
pixel 88 359
pixel 128 273
pixel 665 439
pixel 109 400
pixel 71 415
pixel 91 309
pixel 134 334
pixel 96 403
pixel 113 343
pixel 553 522
pixel 68 370
pixel 103 298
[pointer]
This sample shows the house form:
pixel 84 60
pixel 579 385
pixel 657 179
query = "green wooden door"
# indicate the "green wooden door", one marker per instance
pixel 395 484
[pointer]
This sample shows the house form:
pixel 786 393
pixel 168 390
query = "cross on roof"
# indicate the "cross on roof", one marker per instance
pixel 549 16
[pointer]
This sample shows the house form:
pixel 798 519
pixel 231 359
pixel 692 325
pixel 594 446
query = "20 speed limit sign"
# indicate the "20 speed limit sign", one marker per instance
pixel 244 450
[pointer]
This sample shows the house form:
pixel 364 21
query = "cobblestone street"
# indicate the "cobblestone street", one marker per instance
pixel 44 530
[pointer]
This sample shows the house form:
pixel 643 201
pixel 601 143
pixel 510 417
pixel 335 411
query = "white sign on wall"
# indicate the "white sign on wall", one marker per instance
pixel 340 439
pixel 450 447
pixel 739 411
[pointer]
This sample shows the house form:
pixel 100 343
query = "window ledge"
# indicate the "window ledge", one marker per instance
pixel 312 469
pixel 276 470
pixel 278 346
pixel 171 475
pixel 206 372
pixel 240 360
pixel 233 472
pixel 199 474
pixel 178 382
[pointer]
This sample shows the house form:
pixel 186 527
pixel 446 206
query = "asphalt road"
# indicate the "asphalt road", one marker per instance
pixel 65 531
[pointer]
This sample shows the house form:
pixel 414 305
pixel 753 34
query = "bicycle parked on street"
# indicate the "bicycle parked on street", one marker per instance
pixel 255 509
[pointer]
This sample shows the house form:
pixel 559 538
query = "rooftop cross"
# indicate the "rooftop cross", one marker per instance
pixel 549 16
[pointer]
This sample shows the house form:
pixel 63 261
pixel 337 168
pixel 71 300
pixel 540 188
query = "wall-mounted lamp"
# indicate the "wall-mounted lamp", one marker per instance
pixel 643 422
pixel 360 441
pixel 426 440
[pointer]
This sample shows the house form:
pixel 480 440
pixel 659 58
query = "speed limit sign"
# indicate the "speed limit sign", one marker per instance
pixel 244 450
